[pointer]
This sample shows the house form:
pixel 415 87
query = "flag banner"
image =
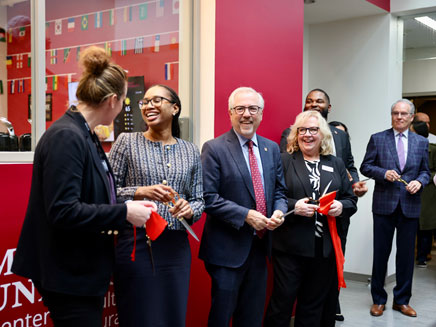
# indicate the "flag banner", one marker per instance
pixel 99 19
pixel 123 51
pixel 156 43
pixel 126 14
pixel 21 86
pixel 69 78
pixel 169 71
pixel 176 5
pixel 139 44
pixel 174 40
pixel 58 27
pixel 10 35
pixel 19 61
pixel 9 61
pixel 143 9
pixel 1 87
pixel 108 48
pixel 67 55
pixel 84 22
pixel 22 32
pixel 46 84
pixel 71 24
pixel 2 35
pixel 53 56
pixel 12 87
pixel 111 17
pixel 78 54
pixel 29 60
pixel 55 83
pixel 130 14
pixel 160 5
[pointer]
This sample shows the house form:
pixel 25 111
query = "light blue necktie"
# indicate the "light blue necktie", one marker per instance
pixel 400 151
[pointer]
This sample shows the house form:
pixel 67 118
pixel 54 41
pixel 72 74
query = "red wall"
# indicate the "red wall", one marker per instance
pixel 260 44
pixel 383 4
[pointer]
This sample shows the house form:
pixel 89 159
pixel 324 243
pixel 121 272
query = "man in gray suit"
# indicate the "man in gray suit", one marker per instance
pixel 244 193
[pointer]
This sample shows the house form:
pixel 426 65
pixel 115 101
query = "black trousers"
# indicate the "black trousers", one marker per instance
pixel 71 310
pixel 309 280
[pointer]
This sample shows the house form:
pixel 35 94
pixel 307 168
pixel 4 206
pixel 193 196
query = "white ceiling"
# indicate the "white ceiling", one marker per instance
pixel 416 35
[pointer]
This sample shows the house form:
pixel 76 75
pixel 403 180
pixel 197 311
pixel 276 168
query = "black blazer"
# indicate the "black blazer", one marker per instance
pixel 297 234
pixel 342 147
pixel 61 245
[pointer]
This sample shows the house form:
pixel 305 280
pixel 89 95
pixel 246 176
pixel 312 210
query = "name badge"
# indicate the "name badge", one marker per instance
pixel 327 168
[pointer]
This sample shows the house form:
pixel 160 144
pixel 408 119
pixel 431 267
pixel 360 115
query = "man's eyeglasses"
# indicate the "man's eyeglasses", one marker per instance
pixel 251 109
pixel 399 114
pixel 156 101
pixel 303 130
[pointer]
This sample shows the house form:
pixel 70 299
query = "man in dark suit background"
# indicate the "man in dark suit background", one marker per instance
pixel 319 100
pixel 393 156
pixel 243 186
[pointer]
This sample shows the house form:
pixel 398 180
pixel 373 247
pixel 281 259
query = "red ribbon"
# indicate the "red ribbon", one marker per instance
pixel 154 226
pixel 325 202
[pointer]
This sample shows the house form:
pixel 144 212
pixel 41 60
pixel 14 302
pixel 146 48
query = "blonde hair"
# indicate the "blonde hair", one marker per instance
pixel 326 146
pixel 101 78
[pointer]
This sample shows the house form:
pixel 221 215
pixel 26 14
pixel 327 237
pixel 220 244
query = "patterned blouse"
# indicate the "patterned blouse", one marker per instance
pixel 137 161
pixel 315 177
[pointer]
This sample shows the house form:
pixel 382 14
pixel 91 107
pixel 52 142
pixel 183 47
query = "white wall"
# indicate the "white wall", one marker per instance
pixel 358 62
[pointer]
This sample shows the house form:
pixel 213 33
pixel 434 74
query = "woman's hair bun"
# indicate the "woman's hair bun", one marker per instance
pixel 94 60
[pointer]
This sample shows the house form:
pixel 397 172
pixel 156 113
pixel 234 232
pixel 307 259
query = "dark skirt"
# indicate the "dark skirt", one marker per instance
pixel 147 298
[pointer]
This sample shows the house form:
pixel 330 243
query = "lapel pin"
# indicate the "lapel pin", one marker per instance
pixel 266 149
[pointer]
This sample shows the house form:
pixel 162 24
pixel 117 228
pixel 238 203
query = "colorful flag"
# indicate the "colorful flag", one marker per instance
pixel 139 44
pixel 176 5
pixel 55 82
pixel 169 71
pixel 84 22
pixel 1 87
pixel 19 61
pixel 98 19
pixel 10 35
pixel 67 55
pixel 12 87
pixel 69 78
pixel 53 56
pixel 2 35
pixel 174 43
pixel 46 84
pixel 21 86
pixel 143 9
pixel 111 17
pixel 108 48
pixel 9 61
pixel 71 24
pixel 160 5
pixel 127 14
pixel 156 43
pixel 123 51
pixel 78 54
pixel 22 32
pixel 58 26
pixel 29 60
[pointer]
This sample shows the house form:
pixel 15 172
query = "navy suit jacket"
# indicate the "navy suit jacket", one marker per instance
pixel 381 155
pixel 229 195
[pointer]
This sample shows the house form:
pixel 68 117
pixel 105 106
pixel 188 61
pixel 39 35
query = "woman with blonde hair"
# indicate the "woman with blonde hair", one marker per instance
pixel 66 245
pixel 303 255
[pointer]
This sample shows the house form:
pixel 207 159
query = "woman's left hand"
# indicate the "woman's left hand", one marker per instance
pixel 182 209
pixel 335 209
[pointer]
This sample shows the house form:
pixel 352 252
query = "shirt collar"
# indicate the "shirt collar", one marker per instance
pixel 405 133
pixel 243 140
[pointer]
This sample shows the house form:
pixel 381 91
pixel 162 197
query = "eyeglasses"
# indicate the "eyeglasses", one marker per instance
pixel 399 114
pixel 156 101
pixel 251 109
pixel 303 130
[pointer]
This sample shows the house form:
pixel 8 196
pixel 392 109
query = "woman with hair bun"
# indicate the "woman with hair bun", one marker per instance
pixel 66 246
pixel 158 166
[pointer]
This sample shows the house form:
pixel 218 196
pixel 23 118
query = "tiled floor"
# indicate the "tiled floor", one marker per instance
pixel 356 302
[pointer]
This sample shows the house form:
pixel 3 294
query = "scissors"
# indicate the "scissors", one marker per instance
pixel 171 204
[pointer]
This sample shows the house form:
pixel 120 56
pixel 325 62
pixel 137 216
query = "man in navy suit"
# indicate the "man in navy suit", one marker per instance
pixel 236 240
pixel 397 160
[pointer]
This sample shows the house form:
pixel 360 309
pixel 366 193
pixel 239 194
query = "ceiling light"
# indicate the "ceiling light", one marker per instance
pixel 427 21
